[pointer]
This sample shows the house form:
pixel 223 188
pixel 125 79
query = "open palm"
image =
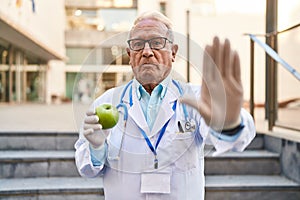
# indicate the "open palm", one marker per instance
pixel 222 91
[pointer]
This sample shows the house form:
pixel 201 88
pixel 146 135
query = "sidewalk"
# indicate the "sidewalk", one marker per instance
pixel 37 117
pixel 66 117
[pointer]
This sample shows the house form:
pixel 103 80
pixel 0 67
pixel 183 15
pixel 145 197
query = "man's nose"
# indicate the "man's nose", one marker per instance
pixel 147 51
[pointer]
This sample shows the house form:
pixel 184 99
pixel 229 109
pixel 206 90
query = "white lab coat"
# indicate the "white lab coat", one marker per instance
pixel 180 174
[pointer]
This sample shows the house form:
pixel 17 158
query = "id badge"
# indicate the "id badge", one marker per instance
pixel 156 183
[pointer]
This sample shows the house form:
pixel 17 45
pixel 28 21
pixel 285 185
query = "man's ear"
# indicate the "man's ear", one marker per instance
pixel 174 52
pixel 128 51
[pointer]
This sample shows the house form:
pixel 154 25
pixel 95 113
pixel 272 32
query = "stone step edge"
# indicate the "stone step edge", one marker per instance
pixel 249 182
pixel 83 185
pixel 52 185
pixel 248 153
pixel 70 154
pixel 38 133
pixel 53 133
pixel 36 155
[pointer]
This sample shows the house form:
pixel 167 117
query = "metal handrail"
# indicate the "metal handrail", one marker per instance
pixel 273 54
pixel 275 32
pixel 283 31
pixel 275 57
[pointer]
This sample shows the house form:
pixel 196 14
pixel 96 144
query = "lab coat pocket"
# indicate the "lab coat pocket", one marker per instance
pixel 184 151
pixel 184 135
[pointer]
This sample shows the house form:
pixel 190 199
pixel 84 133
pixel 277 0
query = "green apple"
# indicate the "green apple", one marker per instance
pixel 108 115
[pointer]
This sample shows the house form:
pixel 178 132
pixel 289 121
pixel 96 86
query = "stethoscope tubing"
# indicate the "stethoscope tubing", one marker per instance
pixel 121 104
pixel 125 109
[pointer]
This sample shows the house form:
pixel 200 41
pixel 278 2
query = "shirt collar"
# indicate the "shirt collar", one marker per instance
pixel 164 84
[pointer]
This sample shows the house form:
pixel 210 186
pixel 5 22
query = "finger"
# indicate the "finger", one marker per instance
pixel 88 131
pixel 90 112
pixel 236 67
pixel 92 119
pixel 217 48
pixel 205 94
pixel 92 126
pixel 208 64
pixel 227 66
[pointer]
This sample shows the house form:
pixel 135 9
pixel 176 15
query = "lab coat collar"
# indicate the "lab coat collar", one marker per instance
pixel 164 114
pixel 135 111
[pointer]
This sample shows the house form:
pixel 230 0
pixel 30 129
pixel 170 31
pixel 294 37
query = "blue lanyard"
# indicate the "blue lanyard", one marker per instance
pixel 162 132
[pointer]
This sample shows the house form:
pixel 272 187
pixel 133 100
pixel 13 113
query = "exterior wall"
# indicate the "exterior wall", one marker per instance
pixel 147 5
pixel 288 48
pixel 233 27
pixel 289 155
pixel 42 23
pixel 55 82
pixel 290 159
pixel 46 23
pixel 205 24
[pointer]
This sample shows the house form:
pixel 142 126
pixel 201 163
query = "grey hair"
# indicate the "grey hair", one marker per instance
pixel 157 16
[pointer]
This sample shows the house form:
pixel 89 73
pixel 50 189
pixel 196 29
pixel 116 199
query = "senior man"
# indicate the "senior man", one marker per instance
pixel 160 152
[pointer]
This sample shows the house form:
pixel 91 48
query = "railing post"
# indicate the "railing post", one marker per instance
pixel 251 78
pixel 271 67
pixel 272 87
pixel 188 46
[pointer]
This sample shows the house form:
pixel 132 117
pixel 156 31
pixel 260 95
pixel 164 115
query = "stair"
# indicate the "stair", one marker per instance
pixel 41 166
pixel 246 187
pixel 66 188
pixel 252 174
pixel 30 164
pixel 250 162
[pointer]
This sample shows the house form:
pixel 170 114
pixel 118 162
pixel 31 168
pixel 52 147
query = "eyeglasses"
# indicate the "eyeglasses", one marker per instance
pixel 154 43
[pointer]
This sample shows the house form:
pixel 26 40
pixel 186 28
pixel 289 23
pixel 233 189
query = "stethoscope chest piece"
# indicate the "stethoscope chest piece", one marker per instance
pixel 187 125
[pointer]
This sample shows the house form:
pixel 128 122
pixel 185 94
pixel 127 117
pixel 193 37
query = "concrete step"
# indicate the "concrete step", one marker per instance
pixel 249 187
pixel 27 164
pixel 62 141
pixel 217 187
pixel 257 142
pixel 71 188
pixel 37 140
pixel 250 162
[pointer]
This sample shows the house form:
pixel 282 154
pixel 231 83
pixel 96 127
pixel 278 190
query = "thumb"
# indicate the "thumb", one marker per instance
pixel 191 101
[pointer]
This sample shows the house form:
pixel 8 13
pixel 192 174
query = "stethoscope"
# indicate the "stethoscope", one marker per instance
pixel 188 125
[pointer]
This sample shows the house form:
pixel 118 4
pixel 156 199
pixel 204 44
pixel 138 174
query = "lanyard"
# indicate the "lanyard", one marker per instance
pixel 162 132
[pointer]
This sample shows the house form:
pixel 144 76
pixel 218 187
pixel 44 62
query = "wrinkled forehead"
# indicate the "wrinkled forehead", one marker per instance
pixel 148 28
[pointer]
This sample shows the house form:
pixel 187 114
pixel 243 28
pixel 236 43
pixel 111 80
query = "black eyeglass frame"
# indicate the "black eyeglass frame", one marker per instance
pixel 149 42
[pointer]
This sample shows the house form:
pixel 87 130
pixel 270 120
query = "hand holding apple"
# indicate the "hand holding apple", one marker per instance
pixel 103 117
pixel 108 115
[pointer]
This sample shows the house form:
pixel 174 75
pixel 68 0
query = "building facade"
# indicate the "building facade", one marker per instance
pixel 95 40
pixel 31 49
pixel 78 52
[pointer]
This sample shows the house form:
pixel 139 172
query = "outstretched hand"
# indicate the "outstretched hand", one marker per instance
pixel 92 130
pixel 222 91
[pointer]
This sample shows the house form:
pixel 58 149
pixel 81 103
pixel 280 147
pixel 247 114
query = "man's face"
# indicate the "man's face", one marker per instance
pixel 151 66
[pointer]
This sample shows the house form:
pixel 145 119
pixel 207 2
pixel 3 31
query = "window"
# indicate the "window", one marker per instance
pixel 104 19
